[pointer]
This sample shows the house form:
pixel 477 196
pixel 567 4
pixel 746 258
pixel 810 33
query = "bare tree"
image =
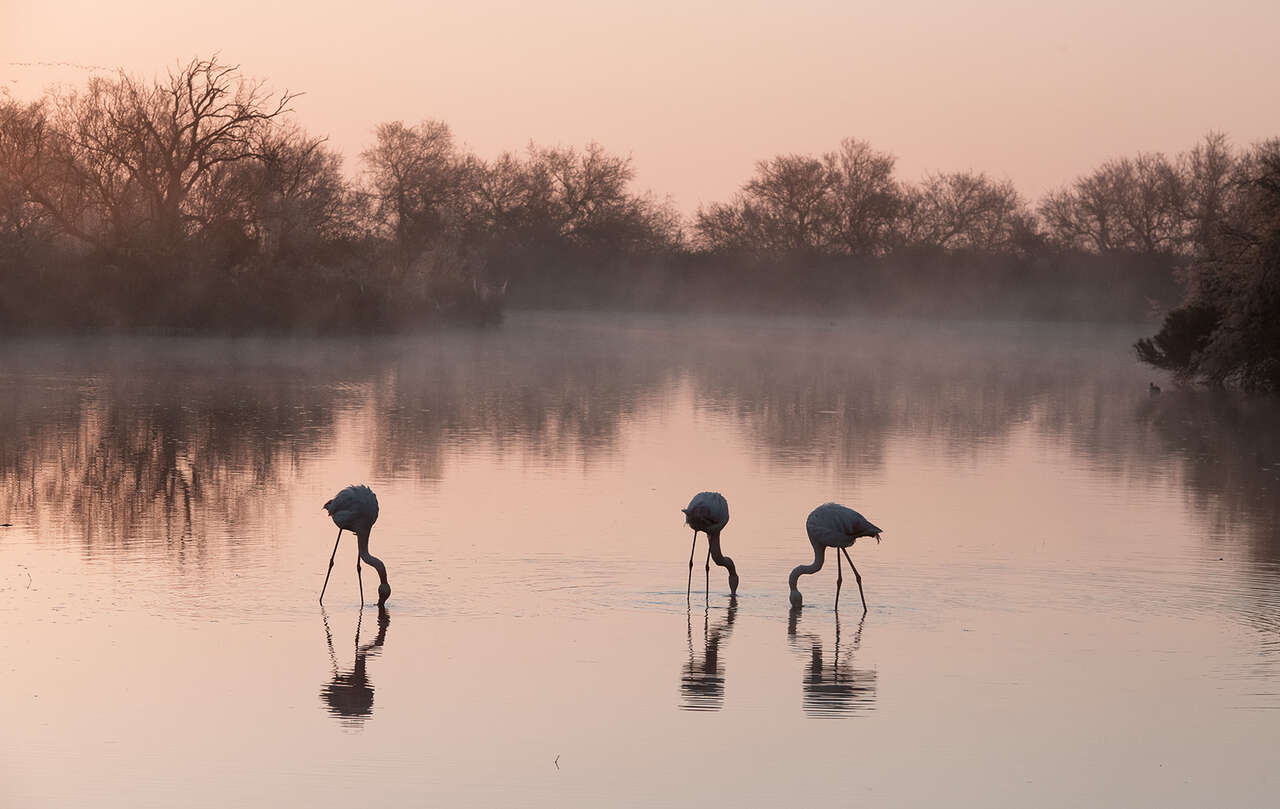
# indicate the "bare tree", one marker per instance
pixel 866 198
pixel 584 199
pixel 845 202
pixel 737 226
pixel 962 210
pixel 139 151
pixel 794 193
pixel 1207 170
pixel 21 131
pixel 787 206
pixel 1132 204
pixel 416 180
pixel 83 199
pixel 504 195
pixel 1151 194
pixel 298 197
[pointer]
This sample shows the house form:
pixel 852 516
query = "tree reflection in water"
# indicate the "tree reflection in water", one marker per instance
pixel 832 686
pixel 156 445
pixel 1227 447
pixel 349 694
pixel 702 678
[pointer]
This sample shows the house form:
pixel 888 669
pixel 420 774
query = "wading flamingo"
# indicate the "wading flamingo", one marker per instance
pixel 355 509
pixel 832 525
pixel 708 512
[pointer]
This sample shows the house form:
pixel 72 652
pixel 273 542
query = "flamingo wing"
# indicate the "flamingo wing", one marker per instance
pixel 707 511
pixel 354 506
pixel 834 525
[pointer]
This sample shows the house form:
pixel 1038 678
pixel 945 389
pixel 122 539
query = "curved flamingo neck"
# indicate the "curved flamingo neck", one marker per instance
pixel 819 556
pixel 384 589
pixel 713 539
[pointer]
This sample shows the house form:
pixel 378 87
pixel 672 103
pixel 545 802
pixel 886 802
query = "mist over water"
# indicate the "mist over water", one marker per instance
pixel 1074 603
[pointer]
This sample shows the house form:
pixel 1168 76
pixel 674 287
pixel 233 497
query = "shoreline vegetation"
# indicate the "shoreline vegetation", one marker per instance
pixel 194 203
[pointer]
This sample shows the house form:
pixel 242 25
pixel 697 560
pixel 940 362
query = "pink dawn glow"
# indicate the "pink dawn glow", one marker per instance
pixel 696 92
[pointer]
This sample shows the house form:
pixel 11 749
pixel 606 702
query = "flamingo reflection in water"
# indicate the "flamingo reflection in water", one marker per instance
pixel 832 686
pixel 349 694
pixel 702 679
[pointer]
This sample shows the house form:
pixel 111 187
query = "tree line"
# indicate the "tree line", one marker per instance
pixel 1208 217
pixel 195 201
pixel 848 202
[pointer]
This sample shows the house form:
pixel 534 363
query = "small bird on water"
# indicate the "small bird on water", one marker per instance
pixel 355 509
pixel 832 525
pixel 709 512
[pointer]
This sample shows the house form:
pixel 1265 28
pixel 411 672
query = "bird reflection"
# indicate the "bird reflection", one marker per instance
pixel 832 686
pixel 349 695
pixel 702 679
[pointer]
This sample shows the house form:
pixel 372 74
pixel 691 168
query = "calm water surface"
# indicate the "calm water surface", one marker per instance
pixel 1077 600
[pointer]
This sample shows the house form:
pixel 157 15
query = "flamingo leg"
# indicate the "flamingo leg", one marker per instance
pixel 330 570
pixel 360 581
pixel 708 570
pixel 689 589
pixel 858 578
pixel 839 581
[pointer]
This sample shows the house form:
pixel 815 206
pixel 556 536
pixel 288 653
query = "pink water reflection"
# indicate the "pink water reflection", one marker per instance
pixel 1074 603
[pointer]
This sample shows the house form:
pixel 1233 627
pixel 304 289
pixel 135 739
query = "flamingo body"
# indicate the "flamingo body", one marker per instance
pixel 354 509
pixel 707 512
pixel 837 526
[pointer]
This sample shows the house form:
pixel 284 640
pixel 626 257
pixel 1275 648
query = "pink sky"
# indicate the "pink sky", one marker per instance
pixel 698 91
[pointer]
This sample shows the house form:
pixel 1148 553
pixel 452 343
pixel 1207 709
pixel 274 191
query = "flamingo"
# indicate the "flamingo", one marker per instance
pixel 832 525
pixel 709 512
pixel 355 509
